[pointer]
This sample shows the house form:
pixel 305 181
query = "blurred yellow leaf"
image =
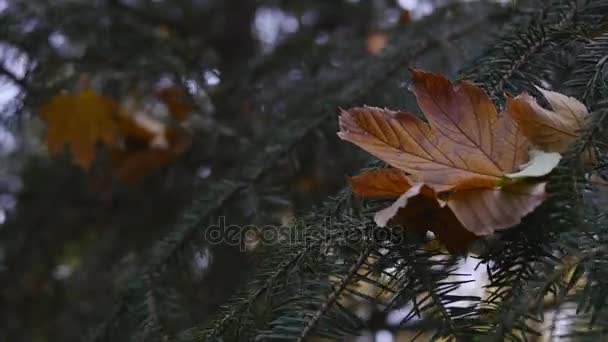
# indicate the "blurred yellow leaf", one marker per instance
pixel 138 143
pixel 81 121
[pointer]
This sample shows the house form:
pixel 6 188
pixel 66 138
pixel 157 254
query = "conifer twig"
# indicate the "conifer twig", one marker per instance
pixel 334 295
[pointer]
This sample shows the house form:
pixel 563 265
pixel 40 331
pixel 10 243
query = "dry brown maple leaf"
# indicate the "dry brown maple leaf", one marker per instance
pixel 465 145
pixel 465 152
pixel 144 130
pixel 422 213
pixel 177 102
pixel 552 130
pixel 149 145
pixel 380 183
pixel 483 211
pixel 132 164
pixel 81 120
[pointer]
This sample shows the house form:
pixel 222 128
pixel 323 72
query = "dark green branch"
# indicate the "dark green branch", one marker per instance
pixel 334 295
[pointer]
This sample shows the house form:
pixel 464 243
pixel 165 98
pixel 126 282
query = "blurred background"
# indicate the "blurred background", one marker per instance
pixel 246 93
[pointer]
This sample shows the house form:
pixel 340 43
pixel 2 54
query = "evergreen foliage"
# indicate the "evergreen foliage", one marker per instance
pixel 315 286
pixel 335 275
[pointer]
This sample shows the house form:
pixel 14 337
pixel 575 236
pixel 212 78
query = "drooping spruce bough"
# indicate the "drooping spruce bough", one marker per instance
pixel 318 283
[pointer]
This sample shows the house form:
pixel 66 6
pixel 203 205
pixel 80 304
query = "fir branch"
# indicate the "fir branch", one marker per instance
pixel 587 76
pixel 212 200
pixel 153 322
pixel 527 57
pixel 515 267
pixel 244 304
pixel 427 282
pixel 508 302
pixel 510 73
pixel 340 287
pixel 592 242
pixel 289 135
pixel 517 63
pixel 150 19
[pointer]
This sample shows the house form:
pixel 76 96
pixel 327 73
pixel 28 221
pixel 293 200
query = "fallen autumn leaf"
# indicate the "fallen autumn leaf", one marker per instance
pixel 81 121
pixel 462 157
pixel 466 145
